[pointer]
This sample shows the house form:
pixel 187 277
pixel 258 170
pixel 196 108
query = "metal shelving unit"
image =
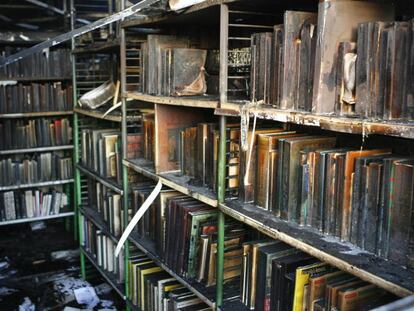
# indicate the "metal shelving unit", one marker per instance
pixel 346 257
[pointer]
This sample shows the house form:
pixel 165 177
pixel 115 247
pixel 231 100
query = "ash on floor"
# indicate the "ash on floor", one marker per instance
pixel 39 270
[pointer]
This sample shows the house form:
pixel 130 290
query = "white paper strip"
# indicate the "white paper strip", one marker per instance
pixel 176 5
pixel 141 211
pixel 249 158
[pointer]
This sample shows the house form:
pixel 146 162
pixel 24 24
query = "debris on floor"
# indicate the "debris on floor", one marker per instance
pixel 41 274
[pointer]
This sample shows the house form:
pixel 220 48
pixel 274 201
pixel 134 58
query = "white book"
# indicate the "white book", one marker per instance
pixel 117 214
pixel 104 253
pixel 110 254
pixel 28 196
pixel 37 204
pixel 99 249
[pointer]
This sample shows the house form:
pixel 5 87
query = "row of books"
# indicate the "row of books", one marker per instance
pixel 102 249
pixel 184 231
pixel 309 180
pixel 153 289
pixel 35 97
pixel 278 277
pixel 194 151
pixel 49 63
pixel 363 68
pixel 39 132
pixel 384 70
pixel 343 192
pixel 38 168
pixel 171 68
pixel 32 203
pixel 100 152
pixel 108 204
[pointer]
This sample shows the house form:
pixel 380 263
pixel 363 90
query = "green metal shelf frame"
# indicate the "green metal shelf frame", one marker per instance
pixel 80 169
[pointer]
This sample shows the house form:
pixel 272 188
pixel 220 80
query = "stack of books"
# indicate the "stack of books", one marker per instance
pixel 38 168
pixel 35 97
pixel 34 133
pixel 278 277
pixel 151 288
pixel 32 203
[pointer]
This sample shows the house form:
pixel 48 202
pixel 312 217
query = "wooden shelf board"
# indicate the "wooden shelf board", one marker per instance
pixel 94 216
pixel 174 181
pixel 141 166
pixel 183 185
pixel 35 114
pixel 205 294
pixel 37 185
pixel 148 20
pixel 234 305
pixel 98 114
pixel 345 256
pixel 119 288
pixel 186 101
pixel 32 219
pixel 332 123
pixel 96 47
pixel 36 149
pixel 103 180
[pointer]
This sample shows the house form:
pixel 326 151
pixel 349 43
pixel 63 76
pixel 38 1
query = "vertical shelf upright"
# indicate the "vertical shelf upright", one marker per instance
pixel 95 59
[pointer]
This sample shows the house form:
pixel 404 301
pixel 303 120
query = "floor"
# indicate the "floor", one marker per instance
pixel 39 270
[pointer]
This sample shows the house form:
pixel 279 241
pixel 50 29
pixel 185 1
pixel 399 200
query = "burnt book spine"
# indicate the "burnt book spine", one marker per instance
pixel 384 212
pixel 306 66
pixel 339 185
pixel 276 74
pixel 328 213
pixel 285 168
pixel 362 74
pixel 398 51
pixel 379 67
pixel 357 184
pixel 371 214
pixel 319 193
pixel 402 206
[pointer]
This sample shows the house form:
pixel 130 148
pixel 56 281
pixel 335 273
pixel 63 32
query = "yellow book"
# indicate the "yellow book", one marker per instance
pixel 302 279
pixel 171 287
pixel 134 280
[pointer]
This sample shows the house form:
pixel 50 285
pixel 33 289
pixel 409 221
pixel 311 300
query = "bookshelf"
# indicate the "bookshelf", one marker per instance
pixel 228 108
pixel 94 61
pixel 36 144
